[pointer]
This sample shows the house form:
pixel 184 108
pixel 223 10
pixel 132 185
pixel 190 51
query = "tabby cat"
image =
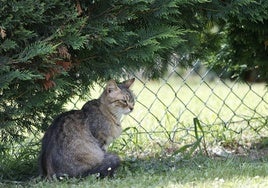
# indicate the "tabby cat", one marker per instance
pixel 75 145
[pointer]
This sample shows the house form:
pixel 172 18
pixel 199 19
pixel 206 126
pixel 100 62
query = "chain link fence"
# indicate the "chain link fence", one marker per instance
pixel 185 111
pixel 189 108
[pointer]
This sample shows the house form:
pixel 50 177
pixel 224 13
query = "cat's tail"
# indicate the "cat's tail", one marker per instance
pixel 109 164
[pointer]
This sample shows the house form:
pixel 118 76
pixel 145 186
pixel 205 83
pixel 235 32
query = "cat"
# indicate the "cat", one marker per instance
pixel 76 143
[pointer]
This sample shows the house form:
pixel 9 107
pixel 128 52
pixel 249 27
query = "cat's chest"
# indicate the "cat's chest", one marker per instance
pixel 115 132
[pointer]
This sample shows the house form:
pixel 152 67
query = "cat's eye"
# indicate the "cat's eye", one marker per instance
pixel 124 101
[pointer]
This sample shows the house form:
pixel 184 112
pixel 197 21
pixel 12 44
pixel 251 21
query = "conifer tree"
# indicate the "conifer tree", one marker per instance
pixel 240 43
pixel 51 51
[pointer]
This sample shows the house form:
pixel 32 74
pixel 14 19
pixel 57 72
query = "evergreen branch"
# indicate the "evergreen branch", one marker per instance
pixel 36 49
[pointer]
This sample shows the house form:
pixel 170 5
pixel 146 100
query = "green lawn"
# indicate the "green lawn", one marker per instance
pixel 173 172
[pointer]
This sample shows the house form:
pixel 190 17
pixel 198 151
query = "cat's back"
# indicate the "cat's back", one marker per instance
pixel 68 143
pixel 91 107
pixel 63 128
pixel 71 124
pixel 62 121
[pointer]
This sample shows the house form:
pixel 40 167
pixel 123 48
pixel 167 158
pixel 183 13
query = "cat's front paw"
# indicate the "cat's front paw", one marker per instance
pixel 104 148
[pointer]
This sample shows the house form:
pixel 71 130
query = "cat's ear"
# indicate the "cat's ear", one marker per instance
pixel 111 87
pixel 128 83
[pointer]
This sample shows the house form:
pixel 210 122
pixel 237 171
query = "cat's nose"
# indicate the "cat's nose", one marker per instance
pixel 131 108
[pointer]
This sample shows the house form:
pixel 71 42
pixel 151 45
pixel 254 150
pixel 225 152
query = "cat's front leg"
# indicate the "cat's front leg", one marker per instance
pixel 107 142
pixel 104 148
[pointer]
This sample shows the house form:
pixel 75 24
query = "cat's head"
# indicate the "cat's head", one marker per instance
pixel 118 97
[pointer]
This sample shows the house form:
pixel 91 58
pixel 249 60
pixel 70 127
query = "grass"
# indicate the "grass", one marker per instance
pixel 198 171
pixel 160 125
